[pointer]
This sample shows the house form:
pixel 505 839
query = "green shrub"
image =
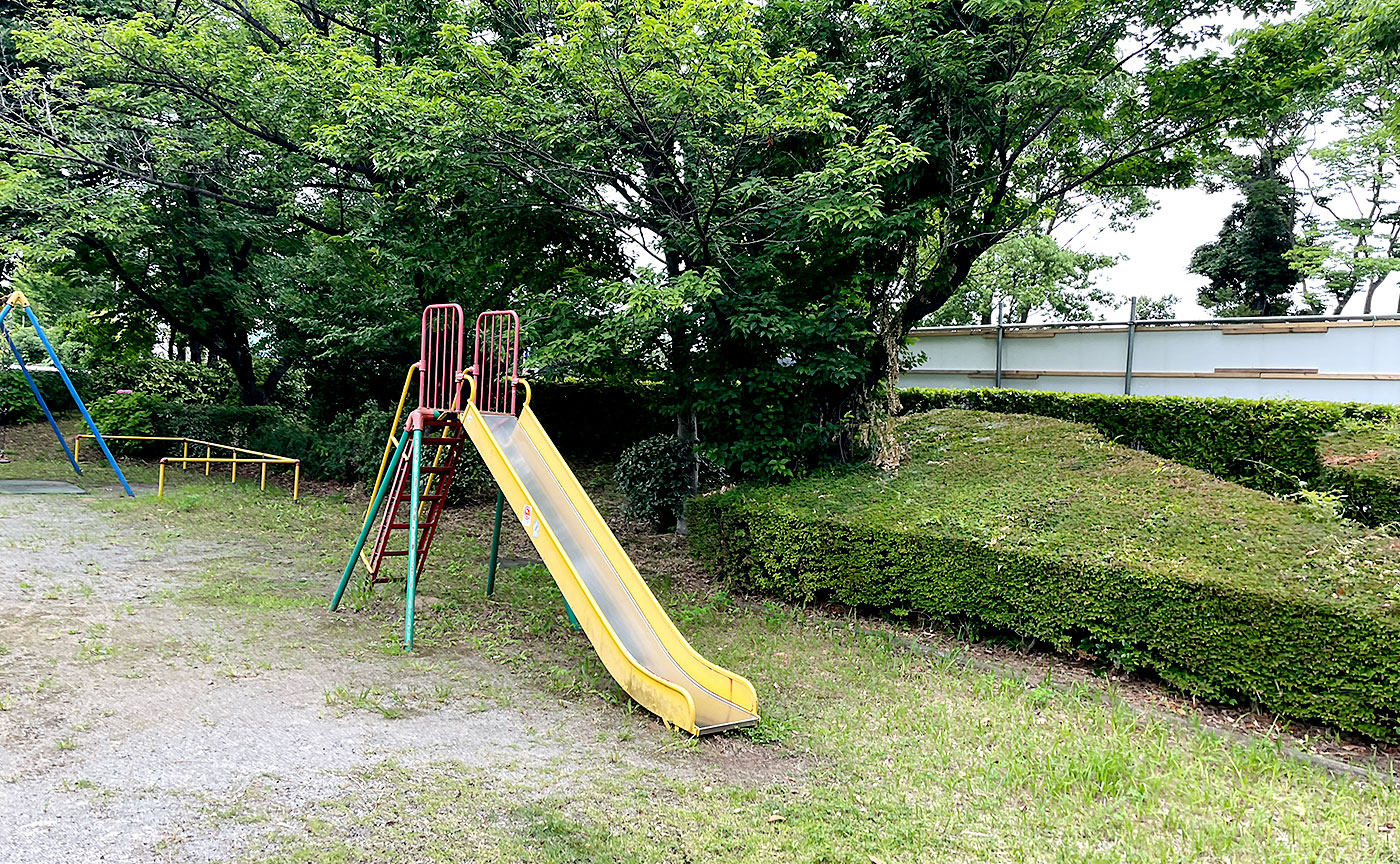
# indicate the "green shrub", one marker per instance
pixel 1362 465
pixel 17 403
pixel 1047 530
pixel 655 474
pixel 1267 444
pixel 129 414
pixel 172 380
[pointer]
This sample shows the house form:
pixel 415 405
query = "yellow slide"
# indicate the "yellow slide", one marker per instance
pixel 636 640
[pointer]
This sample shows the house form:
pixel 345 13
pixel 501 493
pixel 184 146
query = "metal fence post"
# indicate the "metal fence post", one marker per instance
pixel 1132 332
pixel 1000 330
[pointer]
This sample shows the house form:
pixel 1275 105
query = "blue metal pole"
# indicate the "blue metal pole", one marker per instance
pixel 39 397
pixel 410 595
pixel 82 409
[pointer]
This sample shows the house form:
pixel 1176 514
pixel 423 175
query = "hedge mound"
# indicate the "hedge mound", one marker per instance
pixel 1268 444
pixel 1047 529
pixel 1363 465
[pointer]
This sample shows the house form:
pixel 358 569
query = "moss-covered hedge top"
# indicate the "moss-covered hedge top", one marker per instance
pixel 1050 487
pixel 1368 450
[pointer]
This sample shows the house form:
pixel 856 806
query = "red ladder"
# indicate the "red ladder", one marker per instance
pixel 446 436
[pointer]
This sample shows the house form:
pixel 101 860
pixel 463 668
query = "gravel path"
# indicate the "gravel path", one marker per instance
pixel 129 716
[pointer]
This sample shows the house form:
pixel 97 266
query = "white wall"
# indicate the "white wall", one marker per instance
pixel 1340 361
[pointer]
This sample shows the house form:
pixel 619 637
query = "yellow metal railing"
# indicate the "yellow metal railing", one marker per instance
pixel 237 456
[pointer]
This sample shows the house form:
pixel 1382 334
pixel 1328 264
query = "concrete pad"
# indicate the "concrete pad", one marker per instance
pixel 39 487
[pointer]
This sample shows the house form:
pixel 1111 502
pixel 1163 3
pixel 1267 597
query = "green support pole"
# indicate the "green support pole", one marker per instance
pixel 412 541
pixel 495 544
pixel 369 519
pixel 573 622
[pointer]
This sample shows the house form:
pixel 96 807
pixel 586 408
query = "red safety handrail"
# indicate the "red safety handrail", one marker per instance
pixel 496 361
pixel 442 356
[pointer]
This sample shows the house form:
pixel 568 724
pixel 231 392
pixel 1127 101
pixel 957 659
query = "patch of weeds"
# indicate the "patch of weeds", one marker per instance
pixel 92 647
pixel 66 744
pixel 247 592
pixel 390 703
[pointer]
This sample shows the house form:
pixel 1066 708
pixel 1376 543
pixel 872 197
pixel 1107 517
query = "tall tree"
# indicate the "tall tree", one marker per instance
pixel 1025 275
pixel 1248 265
pixel 1024 107
pixel 708 155
pixel 1354 235
pixel 189 122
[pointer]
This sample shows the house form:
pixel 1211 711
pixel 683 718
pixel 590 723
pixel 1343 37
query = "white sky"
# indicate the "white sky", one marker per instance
pixel 1158 249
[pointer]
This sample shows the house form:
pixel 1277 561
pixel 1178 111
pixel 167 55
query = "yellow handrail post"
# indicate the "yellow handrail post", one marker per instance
pixel 296 481
pixel 208 455
pixel 185 465
pixel 77 440
pixel 393 427
pixel 233 477
pixel 263 485
pixel 160 488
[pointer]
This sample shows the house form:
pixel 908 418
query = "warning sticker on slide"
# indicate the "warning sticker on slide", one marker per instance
pixel 525 515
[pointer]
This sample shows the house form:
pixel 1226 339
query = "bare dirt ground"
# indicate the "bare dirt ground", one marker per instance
pixel 132 720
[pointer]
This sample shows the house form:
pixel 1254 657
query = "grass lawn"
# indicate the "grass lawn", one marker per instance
pixel 868 752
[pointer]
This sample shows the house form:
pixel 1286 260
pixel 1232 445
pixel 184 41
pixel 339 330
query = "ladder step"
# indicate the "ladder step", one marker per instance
pixel 436 496
pixel 421 525
pixel 443 441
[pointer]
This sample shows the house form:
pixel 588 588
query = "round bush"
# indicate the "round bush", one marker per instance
pixel 655 475
pixel 129 414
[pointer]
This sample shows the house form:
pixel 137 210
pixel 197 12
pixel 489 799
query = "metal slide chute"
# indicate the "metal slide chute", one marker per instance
pixel 636 640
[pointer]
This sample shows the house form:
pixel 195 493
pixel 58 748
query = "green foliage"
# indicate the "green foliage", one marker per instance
pixel 1158 308
pixel 129 414
pixel 657 475
pixel 1048 530
pixel 1025 274
pixel 1361 462
pixel 1266 444
pixel 17 404
pixel 1353 236
pixel 171 380
pixel 1248 265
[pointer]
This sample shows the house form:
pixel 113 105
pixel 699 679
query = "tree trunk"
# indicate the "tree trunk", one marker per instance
pixel 240 359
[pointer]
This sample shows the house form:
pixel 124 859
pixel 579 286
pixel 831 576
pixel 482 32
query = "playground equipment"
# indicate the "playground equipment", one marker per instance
pixel 249 457
pixel 17 300
pixel 637 642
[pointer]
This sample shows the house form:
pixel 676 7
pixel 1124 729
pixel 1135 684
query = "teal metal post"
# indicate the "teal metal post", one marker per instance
pixel 73 391
pixel 369 519
pixel 495 544
pixel 39 397
pixel 411 594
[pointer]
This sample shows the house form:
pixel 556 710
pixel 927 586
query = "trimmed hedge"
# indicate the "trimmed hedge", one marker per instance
pixel 593 419
pixel 1225 622
pixel 584 419
pixel 1363 465
pixel 1267 444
